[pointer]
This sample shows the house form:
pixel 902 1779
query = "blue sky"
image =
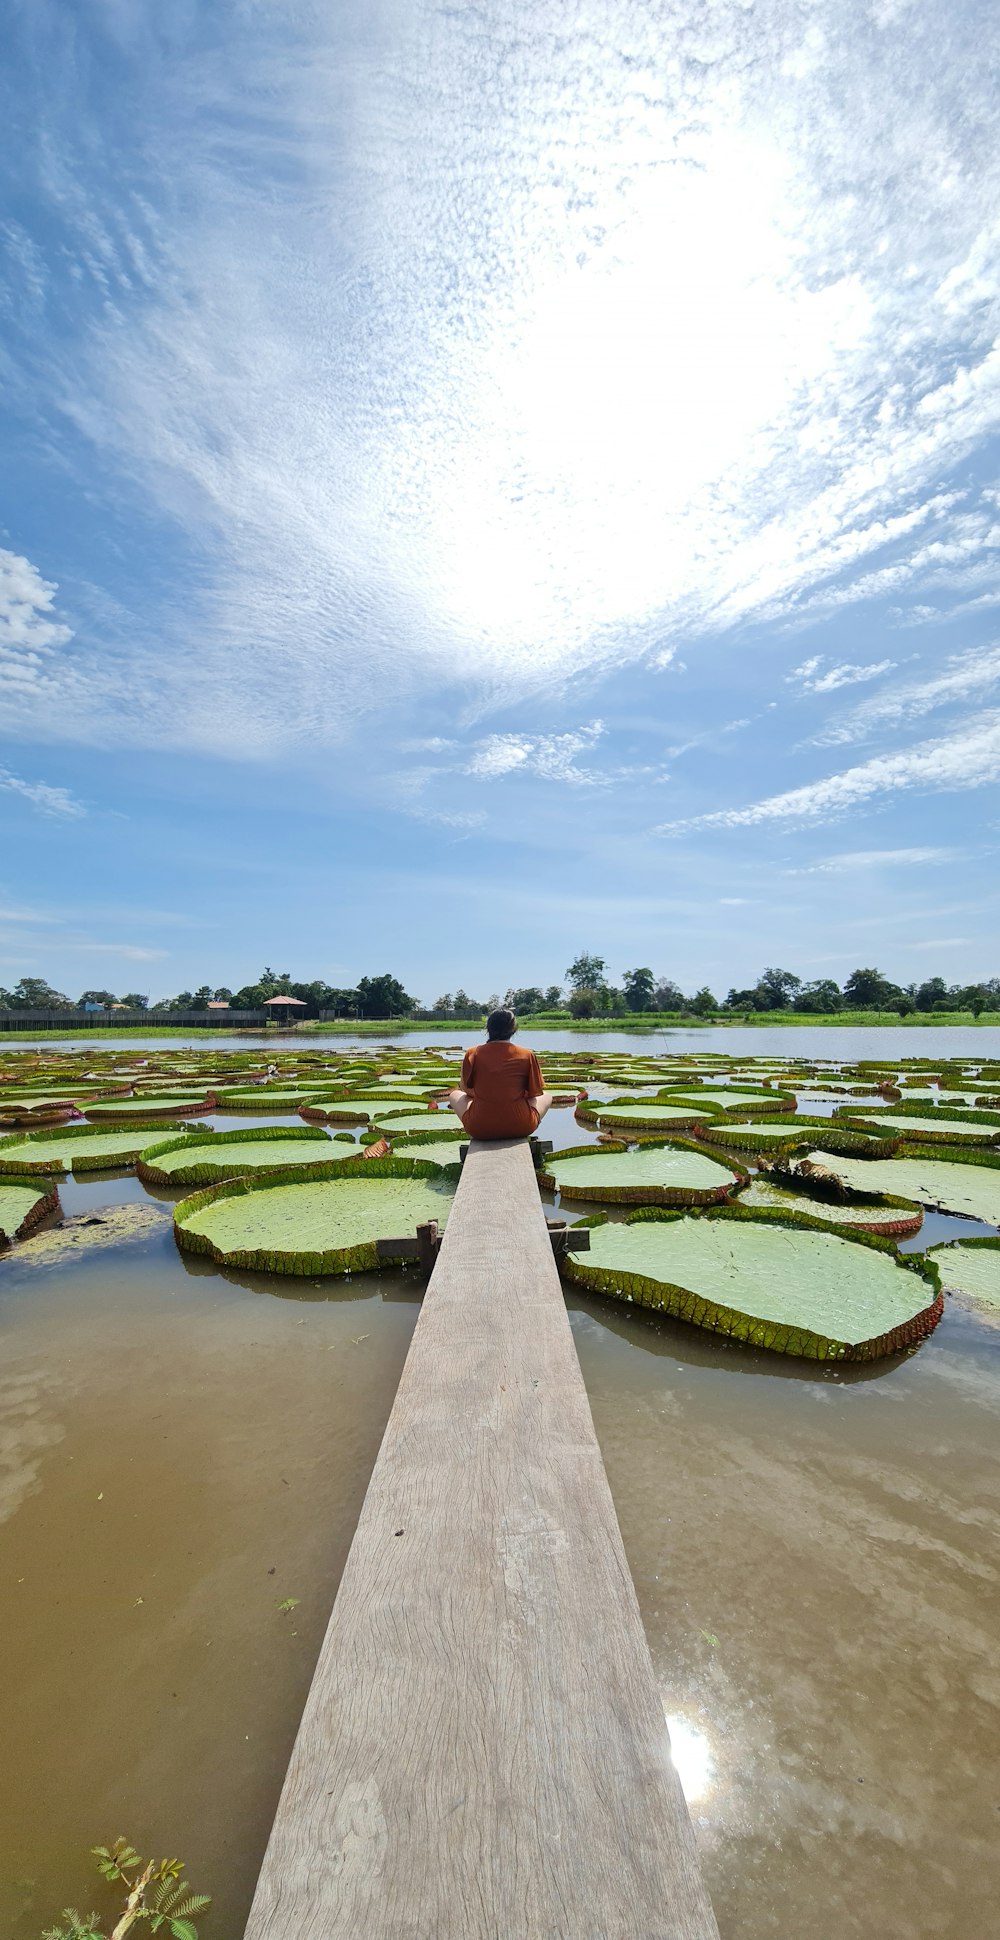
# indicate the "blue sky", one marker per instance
pixel 483 483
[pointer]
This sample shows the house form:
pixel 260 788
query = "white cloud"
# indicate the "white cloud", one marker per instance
pixel 966 678
pixel 969 759
pixel 476 355
pixel 30 633
pixel 859 859
pixel 846 674
pixel 132 952
pixel 551 756
pixel 50 800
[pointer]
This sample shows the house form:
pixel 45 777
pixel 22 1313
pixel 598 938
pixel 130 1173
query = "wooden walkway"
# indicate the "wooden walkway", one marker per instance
pixel 483 1754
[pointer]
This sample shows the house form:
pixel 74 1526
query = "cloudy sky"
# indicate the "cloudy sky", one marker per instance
pixel 479 483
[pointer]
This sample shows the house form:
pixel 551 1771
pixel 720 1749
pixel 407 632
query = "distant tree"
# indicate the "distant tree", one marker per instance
pixel 819 998
pixel 182 1001
pixel 741 1000
pixel 668 995
pixel 33 993
pixel 703 1004
pixel 466 1006
pixel 222 995
pixel 869 990
pixel 638 986
pixel 136 1000
pixel 343 1003
pixel 97 997
pixel 931 993
pixel 201 997
pixel 584 1003
pixel 553 996
pixel 525 999
pixel 444 1004
pixel 383 997
pixel 586 972
pixel 776 988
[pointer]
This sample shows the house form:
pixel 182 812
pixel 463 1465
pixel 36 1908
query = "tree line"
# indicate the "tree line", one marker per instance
pixel 588 992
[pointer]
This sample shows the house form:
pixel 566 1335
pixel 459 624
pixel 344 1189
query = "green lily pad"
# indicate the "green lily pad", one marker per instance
pixel 965 1182
pixel 931 1123
pixel 971 1268
pixel 413 1121
pixel 766 1279
pixel 680 1174
pixel 761 1098
pixel 77 1148
pixel 193 1161
pixel 767 1134
pixel 633 1113
pixel 314 1225
pixel 133 1111
pixel 23 1203
pixel 885 1213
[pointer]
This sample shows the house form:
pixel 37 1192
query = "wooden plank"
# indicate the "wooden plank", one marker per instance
pixel 483 1753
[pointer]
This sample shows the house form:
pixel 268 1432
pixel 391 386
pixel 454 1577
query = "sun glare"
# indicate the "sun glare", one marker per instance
pixel 692 1756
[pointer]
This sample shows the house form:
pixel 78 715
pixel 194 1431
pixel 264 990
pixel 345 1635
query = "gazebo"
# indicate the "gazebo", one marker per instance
pixel 287 1004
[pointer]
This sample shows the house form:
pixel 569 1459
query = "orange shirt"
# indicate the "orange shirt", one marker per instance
pixel 500 1077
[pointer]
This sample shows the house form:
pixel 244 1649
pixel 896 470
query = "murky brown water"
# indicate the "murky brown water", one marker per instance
pixel 817 1563
pixel 816 1558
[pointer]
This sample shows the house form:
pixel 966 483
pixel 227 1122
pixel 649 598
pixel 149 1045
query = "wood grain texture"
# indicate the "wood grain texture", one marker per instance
pixel 483 1753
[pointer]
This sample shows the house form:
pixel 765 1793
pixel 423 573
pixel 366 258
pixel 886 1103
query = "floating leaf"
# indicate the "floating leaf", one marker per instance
pixel 677 1174
pixel 326 1223
pixel 767 1279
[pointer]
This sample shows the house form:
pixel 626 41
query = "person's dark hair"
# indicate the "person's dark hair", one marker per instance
pixel 501 1023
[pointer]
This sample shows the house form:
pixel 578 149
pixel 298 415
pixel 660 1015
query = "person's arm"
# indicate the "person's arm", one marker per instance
pixel 534 1083
pixel 469 1068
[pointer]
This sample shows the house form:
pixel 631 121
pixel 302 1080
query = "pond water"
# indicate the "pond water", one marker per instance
pixel 184 1450
pixel 843 1041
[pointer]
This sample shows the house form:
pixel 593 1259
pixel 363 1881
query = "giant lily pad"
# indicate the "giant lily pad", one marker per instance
pixel 927 1122
pixel 135 1111
pixel 770 1134
pixel 635 1114
pixel 315 1225
pixel 413 1121
pixel 680 1174
pixel 766 1279
pixel 884 1213
pixel 963 1181
pixel 971 1268
pixel 761 1098
pixel 23 1204
pixel 194 1161
pixel 77 1148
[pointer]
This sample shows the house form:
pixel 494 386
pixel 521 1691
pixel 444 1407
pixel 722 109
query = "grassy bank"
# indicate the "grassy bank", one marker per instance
pixel 637 1022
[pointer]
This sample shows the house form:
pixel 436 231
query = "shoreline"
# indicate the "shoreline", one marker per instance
pixel 638 1024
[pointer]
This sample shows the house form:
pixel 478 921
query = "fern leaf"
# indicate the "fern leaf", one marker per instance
pixel 195 1903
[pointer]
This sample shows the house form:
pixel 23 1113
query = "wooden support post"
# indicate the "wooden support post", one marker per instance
pixel 483 1753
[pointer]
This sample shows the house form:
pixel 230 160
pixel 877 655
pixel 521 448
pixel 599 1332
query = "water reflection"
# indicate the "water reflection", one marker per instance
pixel 692 1756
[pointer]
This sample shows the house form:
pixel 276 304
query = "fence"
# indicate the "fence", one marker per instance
pixel 128 1020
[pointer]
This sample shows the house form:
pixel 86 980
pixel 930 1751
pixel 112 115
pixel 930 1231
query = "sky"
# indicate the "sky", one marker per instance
pixel 484 483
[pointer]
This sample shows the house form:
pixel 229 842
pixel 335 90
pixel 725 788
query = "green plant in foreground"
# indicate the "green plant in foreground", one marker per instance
pixel 156 1893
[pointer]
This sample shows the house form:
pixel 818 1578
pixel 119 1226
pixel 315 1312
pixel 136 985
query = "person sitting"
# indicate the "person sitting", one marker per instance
pixel 502 1093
